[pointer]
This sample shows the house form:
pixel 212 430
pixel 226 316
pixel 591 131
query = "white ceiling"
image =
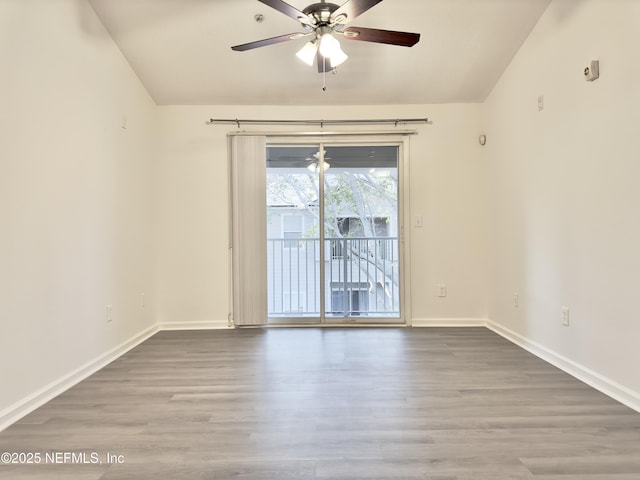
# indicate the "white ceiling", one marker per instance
pixel 181 51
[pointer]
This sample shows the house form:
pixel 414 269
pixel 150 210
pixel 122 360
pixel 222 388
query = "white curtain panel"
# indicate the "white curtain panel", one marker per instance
pixel 249 229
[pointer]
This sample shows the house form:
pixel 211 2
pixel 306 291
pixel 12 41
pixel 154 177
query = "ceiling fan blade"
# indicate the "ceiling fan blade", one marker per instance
pixel 267 41
pixel 351 9
pixel 289 11
pixel 403 39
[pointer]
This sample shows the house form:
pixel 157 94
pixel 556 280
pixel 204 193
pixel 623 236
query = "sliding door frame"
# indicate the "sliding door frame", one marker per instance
pixel 401 141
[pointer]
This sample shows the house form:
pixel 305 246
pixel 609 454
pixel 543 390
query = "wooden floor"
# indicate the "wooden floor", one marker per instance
pixel 297 404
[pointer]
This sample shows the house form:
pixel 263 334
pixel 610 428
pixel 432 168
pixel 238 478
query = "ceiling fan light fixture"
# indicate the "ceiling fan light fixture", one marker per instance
pixel 330 49
pixel 324 19
pixel 314 167
pixel 308 53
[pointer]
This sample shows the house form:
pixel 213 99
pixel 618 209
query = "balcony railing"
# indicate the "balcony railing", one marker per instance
pixel 361 277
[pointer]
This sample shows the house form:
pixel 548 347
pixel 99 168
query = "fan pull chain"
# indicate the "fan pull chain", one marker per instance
pixel 324 73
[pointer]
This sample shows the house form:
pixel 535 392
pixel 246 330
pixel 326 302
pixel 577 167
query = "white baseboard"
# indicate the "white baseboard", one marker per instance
pixel 28 404
pixel 198 325
pixel 448 322
pixel 582 373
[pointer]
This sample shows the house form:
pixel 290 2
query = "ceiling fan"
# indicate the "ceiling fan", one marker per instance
pixel 322 21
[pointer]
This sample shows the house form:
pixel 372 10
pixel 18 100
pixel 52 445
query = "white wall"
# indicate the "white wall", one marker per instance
pixel 446 189
pixel 563 191
pixel 76 207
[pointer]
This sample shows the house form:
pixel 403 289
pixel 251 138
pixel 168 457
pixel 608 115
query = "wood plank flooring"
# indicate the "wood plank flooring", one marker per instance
pixel 333 404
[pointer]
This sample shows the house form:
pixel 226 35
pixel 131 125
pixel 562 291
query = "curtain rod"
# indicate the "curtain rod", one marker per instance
pixel 322 123
pixel 321 133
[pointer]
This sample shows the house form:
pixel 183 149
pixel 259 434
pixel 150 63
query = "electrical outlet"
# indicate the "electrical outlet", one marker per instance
pixel 442 290
pixel 142 300
pixel 564 316
pixel 109 313
pixel 516 300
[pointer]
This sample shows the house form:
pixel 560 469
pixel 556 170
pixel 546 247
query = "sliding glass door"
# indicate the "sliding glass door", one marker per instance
pixel 362 267
pixel 293 234
pixel 333 217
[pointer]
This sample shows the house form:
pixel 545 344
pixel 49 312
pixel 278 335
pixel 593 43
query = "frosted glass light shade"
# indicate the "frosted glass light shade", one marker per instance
pixel 308 53
pixel 328 45
pixel 338 57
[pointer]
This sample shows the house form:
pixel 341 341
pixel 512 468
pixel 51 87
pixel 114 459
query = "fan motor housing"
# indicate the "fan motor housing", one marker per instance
pixel 321 12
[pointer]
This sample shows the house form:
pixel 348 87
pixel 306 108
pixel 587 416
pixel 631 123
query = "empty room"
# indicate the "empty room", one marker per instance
pixel 375 239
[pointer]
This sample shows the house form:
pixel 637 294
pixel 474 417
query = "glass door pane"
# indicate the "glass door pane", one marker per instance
pixel 293 234
pixel 361 222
